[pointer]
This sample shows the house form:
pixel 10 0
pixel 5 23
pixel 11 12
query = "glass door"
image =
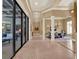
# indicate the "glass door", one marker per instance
pixel 18 28
pixel 7 29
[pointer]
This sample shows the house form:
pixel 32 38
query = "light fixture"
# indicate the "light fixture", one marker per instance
pixel 36 3
pixel 72 11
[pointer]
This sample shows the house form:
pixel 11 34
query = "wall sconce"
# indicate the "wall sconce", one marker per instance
pixel 72 11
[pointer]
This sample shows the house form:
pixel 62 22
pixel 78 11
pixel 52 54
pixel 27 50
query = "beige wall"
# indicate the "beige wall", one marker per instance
pixel 57 13
pixel 34 25
pixel 65 25
pixel 74 21
pixel 61 24
pixel 47 25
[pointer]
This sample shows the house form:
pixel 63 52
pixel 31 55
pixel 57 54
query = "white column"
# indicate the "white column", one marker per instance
pixel 43 28
pixel 30 32
pixel 52 27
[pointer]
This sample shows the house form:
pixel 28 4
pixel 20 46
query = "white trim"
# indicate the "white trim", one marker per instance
pixel 28 5
pixel 58 18
pixel 30 32
pixel 56 8
pixel 43 28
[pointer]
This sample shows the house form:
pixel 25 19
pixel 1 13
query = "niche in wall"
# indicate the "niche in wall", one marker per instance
pixel 36 28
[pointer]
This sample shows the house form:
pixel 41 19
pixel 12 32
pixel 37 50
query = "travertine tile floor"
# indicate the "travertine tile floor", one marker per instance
pixel 44 49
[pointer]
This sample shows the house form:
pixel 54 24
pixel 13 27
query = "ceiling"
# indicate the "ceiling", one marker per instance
pixel 37 6
pixel 42 5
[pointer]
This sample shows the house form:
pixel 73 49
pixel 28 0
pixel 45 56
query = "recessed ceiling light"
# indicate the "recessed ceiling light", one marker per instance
pixel 36 3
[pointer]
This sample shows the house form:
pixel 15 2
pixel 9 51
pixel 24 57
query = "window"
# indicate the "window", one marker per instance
pixel 69 27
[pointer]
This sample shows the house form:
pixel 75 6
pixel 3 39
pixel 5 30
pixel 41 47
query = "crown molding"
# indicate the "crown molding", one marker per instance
pixel 22 6
pixel 28 5
pixel 59 18
pixel 56 8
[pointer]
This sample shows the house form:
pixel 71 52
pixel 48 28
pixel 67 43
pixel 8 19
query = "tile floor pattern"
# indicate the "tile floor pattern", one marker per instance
pixel 44 49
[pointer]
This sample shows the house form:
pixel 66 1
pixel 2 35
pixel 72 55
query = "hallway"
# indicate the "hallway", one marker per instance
pixel 39 29
pixel 44 49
